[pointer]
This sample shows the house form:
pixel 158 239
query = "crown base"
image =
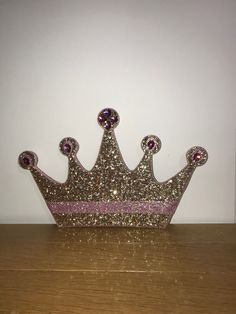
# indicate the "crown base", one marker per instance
pixel 113 220
pixel 113 214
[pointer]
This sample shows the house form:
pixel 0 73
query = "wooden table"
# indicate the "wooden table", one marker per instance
pixel 183 269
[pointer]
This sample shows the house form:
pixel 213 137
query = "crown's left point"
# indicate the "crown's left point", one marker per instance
pixel 69 146
pixel 108 118
pixel 27 160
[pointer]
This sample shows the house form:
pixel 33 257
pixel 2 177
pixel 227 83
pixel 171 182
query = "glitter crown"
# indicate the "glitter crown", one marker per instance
pixel 110 194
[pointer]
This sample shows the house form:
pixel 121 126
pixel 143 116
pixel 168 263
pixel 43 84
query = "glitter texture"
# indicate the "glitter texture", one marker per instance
pixel 113 207
pixel 111 194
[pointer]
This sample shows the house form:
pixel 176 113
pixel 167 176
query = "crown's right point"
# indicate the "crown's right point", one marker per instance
pixel 197 156
pixel 151 144
pixel 108 118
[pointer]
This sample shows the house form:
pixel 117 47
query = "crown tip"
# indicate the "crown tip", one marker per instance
pixel 27 160
pixel 197 156
pixel 108 118
pixel 151 144
pixel 69 146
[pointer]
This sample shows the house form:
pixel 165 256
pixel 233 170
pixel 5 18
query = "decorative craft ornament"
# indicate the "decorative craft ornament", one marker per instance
pixel 111 194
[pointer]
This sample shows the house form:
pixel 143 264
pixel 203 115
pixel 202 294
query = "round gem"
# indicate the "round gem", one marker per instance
pixel 101 118
pixel 67 147
pixel 197 156
pixel 26 161
pixel 151 144
pixel 108 118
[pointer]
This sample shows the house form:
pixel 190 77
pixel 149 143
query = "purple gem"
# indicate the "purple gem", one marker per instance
pixel 114 119
pixel 101 118
pixel 107 112
pixel 151 144
pixel 197 156
pixel 26 161
pixel 67 148
pixel 107 125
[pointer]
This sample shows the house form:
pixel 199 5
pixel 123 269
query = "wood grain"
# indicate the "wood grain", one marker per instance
pixel 183 269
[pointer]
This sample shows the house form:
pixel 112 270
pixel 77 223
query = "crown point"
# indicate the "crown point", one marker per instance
pixel 197 156
pixel 151 144
pixel 28 160
pixel 108 118
pixel 69 146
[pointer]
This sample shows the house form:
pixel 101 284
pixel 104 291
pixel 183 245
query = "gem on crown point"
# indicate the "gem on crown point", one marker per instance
pixel 151 143
pixel 108 118
pixel 28 159
pixel 197 156
pixel 69 146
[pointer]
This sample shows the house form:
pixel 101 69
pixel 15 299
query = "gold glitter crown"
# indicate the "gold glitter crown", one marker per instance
pixel 110 194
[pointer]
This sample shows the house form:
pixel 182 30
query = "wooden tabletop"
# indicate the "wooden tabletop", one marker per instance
pixel 183 269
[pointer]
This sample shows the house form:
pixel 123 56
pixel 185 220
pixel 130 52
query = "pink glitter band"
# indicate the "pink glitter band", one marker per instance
pixel 107 207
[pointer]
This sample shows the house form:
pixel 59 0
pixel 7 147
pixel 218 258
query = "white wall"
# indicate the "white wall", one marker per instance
pixel 168 68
